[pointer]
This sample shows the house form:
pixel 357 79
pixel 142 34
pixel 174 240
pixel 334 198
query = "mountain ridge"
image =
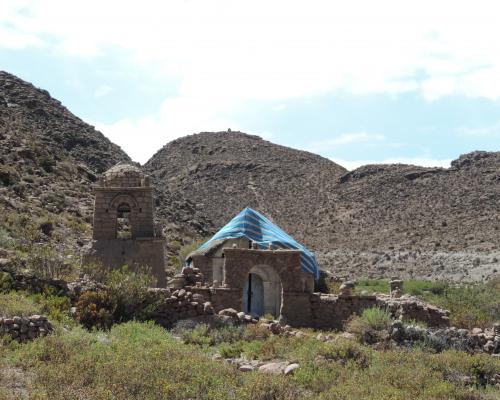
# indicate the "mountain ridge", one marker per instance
pixel 378 220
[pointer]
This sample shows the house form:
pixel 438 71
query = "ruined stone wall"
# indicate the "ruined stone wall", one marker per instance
pixel 139 252
pixel 23 329
pixel 327 311
pixel 204 264
pixel 332 311
pixel 221 298
pixel 176 305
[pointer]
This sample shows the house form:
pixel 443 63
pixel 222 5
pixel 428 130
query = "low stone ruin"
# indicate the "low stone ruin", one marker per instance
pixel 332 311
pixel 472 341
pixel 23 329
pixel 177 305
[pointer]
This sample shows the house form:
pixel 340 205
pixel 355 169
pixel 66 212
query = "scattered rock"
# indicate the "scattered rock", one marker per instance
pixel 290 369
pixel 275 368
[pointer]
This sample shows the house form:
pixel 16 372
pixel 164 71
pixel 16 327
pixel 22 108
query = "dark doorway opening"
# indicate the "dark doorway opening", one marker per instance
pixel 123 226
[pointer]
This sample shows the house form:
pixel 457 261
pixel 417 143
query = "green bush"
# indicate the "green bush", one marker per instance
pixel 475 305
pixel 56 308
pixel 6 240
pixel 376 318
pixel 128 290
pixel 6 282
pixel 203 335
pixel 199 335
pixel 419 287
pixel 371 326
pixel 231 350
pixel 346 351
pixel 46 262
pixel 126 297
pixel 46 162
pixel 8 176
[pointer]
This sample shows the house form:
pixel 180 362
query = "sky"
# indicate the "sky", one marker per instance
pixel 358 82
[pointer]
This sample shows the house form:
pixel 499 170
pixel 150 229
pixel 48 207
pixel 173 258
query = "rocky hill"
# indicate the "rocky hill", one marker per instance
pixel 48 160
pixel 411 221
pixel 220 173
pixel 375 221
pixel 379 220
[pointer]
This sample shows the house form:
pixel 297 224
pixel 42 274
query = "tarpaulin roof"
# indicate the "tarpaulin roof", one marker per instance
pixel 256 227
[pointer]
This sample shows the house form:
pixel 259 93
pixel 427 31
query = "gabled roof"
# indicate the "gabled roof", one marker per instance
pixel 256 227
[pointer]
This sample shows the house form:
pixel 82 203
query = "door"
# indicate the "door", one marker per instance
pixel 253 295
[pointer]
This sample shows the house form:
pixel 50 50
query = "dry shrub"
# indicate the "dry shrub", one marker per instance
pixel 95 309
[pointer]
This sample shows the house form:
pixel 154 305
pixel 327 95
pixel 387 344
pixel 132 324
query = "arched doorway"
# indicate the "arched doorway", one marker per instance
pixel 123 226
pixel 262 292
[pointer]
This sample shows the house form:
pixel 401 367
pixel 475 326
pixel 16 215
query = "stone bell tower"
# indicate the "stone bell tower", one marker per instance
pixel 124 231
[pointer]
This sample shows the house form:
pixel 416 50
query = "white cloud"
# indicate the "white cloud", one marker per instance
pixel 177 117
pixel 488 131
pixel 420 161
pixel 226 52
pixel 350 138
pixel 280 49
pixel 103 91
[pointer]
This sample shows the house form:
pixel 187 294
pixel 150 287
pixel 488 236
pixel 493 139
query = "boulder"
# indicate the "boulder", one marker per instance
pixel 229 312
pixel 290 369
pixel 274 368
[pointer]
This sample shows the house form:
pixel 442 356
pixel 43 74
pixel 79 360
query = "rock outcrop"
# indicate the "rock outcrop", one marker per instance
pixel 49 159
pixel 375 221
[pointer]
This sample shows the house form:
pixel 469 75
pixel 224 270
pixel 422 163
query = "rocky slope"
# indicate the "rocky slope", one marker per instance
pixel 48 160
pixel 379 220
pixel 376 221
pixel 220 173
pixel 413 221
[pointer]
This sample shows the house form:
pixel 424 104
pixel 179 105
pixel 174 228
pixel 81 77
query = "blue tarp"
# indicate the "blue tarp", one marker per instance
pixel 254 226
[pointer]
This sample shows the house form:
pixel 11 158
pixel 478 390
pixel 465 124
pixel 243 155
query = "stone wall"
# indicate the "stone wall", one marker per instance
pixel 23 329
pixel 177 305
pixel 326 311
pixel 220 298
pixel 332 311
pixel 133 252
pixel 31 283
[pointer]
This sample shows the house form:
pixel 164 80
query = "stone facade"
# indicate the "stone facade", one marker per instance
pixel 256 281
pixel 123 225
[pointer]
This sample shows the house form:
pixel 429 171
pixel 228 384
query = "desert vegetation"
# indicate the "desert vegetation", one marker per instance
pixel 143 361
pixel 470 305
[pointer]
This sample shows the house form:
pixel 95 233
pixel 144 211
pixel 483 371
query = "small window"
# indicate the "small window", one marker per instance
pixel 123 227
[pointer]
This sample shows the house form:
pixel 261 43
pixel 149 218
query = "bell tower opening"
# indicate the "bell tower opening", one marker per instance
pixel 123 226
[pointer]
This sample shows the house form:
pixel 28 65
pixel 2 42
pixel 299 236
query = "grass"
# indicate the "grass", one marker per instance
pixel 142 361
pixel 23 304
pixel 376 318
pixel 14 303
pixel 470 306
pixel 372 286
pixel 370 326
